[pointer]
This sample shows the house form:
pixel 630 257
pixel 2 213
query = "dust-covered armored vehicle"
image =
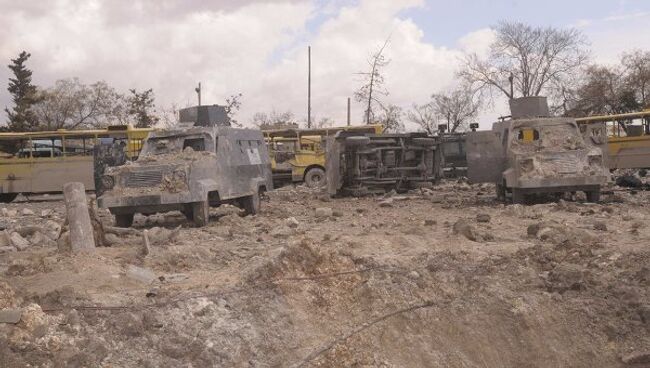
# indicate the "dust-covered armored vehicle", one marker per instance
pixel 533 153
pixel 190 169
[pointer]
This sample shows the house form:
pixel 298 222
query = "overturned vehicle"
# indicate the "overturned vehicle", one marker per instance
pixel 532 153
pixel 190 170
pixel 360 164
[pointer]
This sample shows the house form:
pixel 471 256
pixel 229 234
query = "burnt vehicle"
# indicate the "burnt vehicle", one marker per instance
pixel 190 169
pixel 360 164
pixel 533 153
pixel 454 155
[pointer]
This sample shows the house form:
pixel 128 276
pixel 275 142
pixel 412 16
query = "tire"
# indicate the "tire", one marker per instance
pixel 315 177
pixel 357 141
pixel 7 197
pixel 518 196
pixel 124 220
pixel 251 204
pixel 424 142
pixel 201 213
pixel 593 196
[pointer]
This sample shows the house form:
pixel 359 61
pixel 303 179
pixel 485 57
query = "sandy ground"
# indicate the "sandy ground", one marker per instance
pixel 440 278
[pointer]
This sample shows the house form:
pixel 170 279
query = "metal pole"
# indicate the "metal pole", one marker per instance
pixel 308 86
pixel 198 92
pixel 348 111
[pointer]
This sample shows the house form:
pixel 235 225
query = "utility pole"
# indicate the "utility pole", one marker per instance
pixel 348 111
pixel 198 92
pixel 308 87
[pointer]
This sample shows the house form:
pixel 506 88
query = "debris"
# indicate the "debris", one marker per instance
pixel 464 228
pixel 629 181
pixel 18 241
pixel 637 357
pixel 430 222
pixel 146 246
pixel 6 249
pixel 323 212
pixel 600 225
pixel 112 239
pixel 292 222
pixel 483 217
pixel 10 315
pixel 388 202
pixel 81 229
pixel 140 274
pixel 27 212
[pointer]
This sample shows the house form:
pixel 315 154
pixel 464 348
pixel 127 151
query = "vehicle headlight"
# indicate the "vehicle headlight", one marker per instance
pixel 108 182
pixel 526 165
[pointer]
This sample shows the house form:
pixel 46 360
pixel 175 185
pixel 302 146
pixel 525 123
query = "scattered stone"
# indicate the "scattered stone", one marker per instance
pixel 337 213
pixel 292 222
pixel 7 249
pixel 8 213
pixel 414 275
pixel 18 241
pixel 111 239
pixel 5 240
pixel 388 202
pixel 463 227
pixel 39 239
pixel 600 225
pixel 637 357
pixel 174 277
pixel 140 274
pixel 430 222
pixel 483 217
pixel 146 245
pixel 566 276
pixel 27 212
pixel 281 232
pixel 11 315
pixel 47 213
pixel 323 212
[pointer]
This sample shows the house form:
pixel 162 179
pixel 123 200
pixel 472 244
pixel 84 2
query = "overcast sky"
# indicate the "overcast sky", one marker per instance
pixel 259 48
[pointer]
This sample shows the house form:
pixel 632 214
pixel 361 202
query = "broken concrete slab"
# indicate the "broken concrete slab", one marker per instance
pixel 11 315
pixel 323 212
pixel 18 241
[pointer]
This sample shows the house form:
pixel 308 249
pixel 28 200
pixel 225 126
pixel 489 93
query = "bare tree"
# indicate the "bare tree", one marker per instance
pixel 168 117
pixel 71 104
pixel 526 60
pixel 274 120
pixel 391 118
pixel 637 68
pixel 425 117
pixel 457 107
pixel 373 83
pixel 233 104
pixel 324 122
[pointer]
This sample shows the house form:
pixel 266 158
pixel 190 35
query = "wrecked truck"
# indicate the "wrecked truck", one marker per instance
pixel 190 170
pixel 360 164
pixel 532 153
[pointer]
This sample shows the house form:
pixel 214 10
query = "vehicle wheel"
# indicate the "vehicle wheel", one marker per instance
pixel 357 141
pixel 424 142
pixel 315 177
pixel 593 196
pixel 201 213
pixel 7 197
pixel 124 220
pixel 251 204
pixel 518 196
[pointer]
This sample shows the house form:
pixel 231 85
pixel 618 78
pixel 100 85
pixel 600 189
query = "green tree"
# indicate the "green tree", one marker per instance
pixel 142 108
pixel 24 95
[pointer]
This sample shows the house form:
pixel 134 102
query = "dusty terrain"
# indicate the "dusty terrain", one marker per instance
pixel 441 278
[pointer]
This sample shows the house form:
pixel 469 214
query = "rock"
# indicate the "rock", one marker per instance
pixel 292 222
pixel 637 357
pixel 33 318
pixel 566 276
pixel 140 274
pixel 629 181
pixel 174 277
pixel 414 275
pixel 164 236
pixel 430 222
pixel 112 239
pixel 600 225
pixel 388 202
pixel 8 213
pixel 63 243
pixel 47 212
pixel 18 241
pixel 11 315
pixel 463 227
pixel 5 240
pixel 337 213
pixel 483 217
pixel 7 296
pixel 27 212
pixel 323 212
pixel 7 249
pixel 38 239
pixel 281 232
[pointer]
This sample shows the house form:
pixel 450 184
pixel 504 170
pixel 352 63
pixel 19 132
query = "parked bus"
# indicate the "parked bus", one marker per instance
pixel 628 138
pixel 41 162
pixel 298 155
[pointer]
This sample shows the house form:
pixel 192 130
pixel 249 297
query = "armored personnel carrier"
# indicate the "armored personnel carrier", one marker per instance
pixel 533 153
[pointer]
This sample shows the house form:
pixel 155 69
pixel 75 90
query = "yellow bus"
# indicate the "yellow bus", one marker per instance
pixel 41 162
pixel 629 147
pixel 298 155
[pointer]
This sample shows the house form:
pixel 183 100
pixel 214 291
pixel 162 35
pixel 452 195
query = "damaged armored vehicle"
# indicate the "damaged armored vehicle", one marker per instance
pixel 360 164
pixel 189 170
pixel 532 153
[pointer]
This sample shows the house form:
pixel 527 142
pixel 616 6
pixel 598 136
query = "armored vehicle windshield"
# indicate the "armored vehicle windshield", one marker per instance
pixel 536 137
pixel 176 144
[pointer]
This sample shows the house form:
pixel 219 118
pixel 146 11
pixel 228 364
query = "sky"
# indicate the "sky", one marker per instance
pixel 259 48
